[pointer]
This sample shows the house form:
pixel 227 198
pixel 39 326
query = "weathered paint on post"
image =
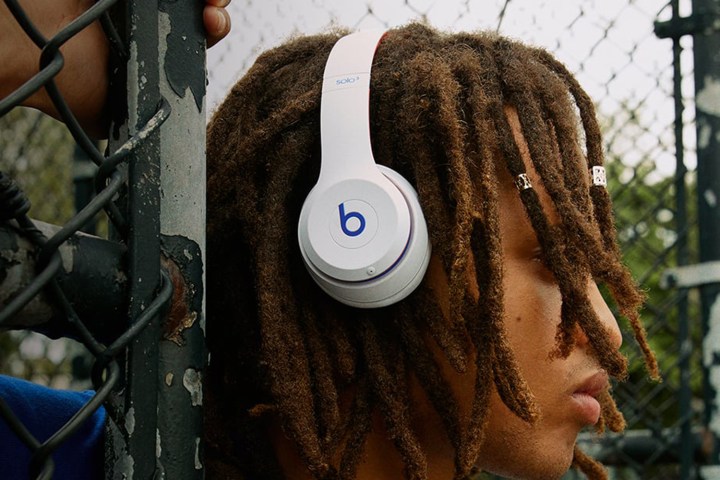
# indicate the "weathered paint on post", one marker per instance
pixel 707 123
pixel 134 443
pixel 182 227
pixel 91 276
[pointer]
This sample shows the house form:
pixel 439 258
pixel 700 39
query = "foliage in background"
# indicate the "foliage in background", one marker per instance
pixel 37 151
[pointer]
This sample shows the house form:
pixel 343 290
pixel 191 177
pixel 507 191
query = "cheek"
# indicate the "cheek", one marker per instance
pixel 513 447
pixel 532 314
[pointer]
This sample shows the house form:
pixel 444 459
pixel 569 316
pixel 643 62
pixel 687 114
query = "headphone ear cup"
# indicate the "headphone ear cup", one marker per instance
pixel 405 272
pixel 411 267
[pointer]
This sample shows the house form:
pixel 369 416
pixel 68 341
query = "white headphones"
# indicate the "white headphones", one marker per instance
pixel 362 233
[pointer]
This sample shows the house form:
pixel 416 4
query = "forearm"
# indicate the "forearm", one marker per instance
pixel 83 78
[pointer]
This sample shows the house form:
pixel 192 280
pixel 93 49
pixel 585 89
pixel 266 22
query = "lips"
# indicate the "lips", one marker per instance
pixel 585 397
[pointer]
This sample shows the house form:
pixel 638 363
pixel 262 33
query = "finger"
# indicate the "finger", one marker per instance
pixel 217 24
pixel 218 3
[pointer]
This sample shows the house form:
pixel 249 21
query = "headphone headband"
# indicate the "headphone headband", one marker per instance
pixel 344 111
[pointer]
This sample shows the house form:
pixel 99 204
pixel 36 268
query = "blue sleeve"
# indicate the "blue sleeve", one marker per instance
pixel 43 411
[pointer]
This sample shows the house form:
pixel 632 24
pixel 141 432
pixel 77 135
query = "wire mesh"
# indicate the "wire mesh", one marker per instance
pixel 39 151
pixel 626 68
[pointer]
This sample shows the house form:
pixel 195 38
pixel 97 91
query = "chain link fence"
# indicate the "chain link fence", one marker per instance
pixel 634 57
pixel 643 88
pixel 101 296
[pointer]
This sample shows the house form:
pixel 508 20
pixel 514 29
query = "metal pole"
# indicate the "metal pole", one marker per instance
pixel 166 210
pixel 91 277
pixel 686 444
pixel 707 95
pixel 182 227
pixel 133 427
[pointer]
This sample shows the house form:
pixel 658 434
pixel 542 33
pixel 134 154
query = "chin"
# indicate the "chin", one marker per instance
pixel 545 471
pixel 550 464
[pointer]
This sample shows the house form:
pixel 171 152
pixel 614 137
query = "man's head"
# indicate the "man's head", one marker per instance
pixel 495 360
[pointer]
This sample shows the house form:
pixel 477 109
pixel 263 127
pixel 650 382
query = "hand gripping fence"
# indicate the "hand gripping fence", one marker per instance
pixel 136 301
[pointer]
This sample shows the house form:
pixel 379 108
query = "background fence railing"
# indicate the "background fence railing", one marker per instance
pixel 651 67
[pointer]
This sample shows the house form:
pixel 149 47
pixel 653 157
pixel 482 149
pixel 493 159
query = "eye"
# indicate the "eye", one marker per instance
pixel 540 260
pixel 537 255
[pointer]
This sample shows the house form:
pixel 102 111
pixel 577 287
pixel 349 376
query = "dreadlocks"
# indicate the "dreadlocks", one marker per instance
pixel 437 117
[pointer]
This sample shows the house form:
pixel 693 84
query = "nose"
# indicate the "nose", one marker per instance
pixel 604 315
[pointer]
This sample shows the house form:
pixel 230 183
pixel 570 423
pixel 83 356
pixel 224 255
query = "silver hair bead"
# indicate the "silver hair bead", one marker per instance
pixel 522 182
pixel 598 176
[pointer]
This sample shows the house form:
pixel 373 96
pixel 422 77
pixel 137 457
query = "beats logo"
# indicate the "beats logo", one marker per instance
pixel 352 223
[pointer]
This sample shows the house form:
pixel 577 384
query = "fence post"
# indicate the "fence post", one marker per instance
pixel 133 409
pixel 156 419
pixel 687 445
pixel 182 227
pixel 707 95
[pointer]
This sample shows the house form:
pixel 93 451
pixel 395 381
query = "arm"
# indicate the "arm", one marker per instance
pixel 83 80
pixel 43 411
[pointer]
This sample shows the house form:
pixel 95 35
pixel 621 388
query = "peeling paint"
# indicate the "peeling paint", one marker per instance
pixel 686 347
pixel 130 421
pixel 12 255
pixel 120 277
pixel 710 471
pixel 192 381
pixel 704 134
pixel 68 259
pixel 123 467
pixel 710 198
pixel 711 348
pixel 180 75
pixel 17 271
pixel 158 446
pixel 198 463
pixel 708 99
pixel 169 379
pixel 186 322
pixel 132 83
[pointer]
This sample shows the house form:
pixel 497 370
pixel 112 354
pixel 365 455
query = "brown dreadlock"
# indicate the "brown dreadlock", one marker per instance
pixel 437 110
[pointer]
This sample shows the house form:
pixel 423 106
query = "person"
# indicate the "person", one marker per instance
pixel 504 352
pixel 43 411
pixel 84 78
